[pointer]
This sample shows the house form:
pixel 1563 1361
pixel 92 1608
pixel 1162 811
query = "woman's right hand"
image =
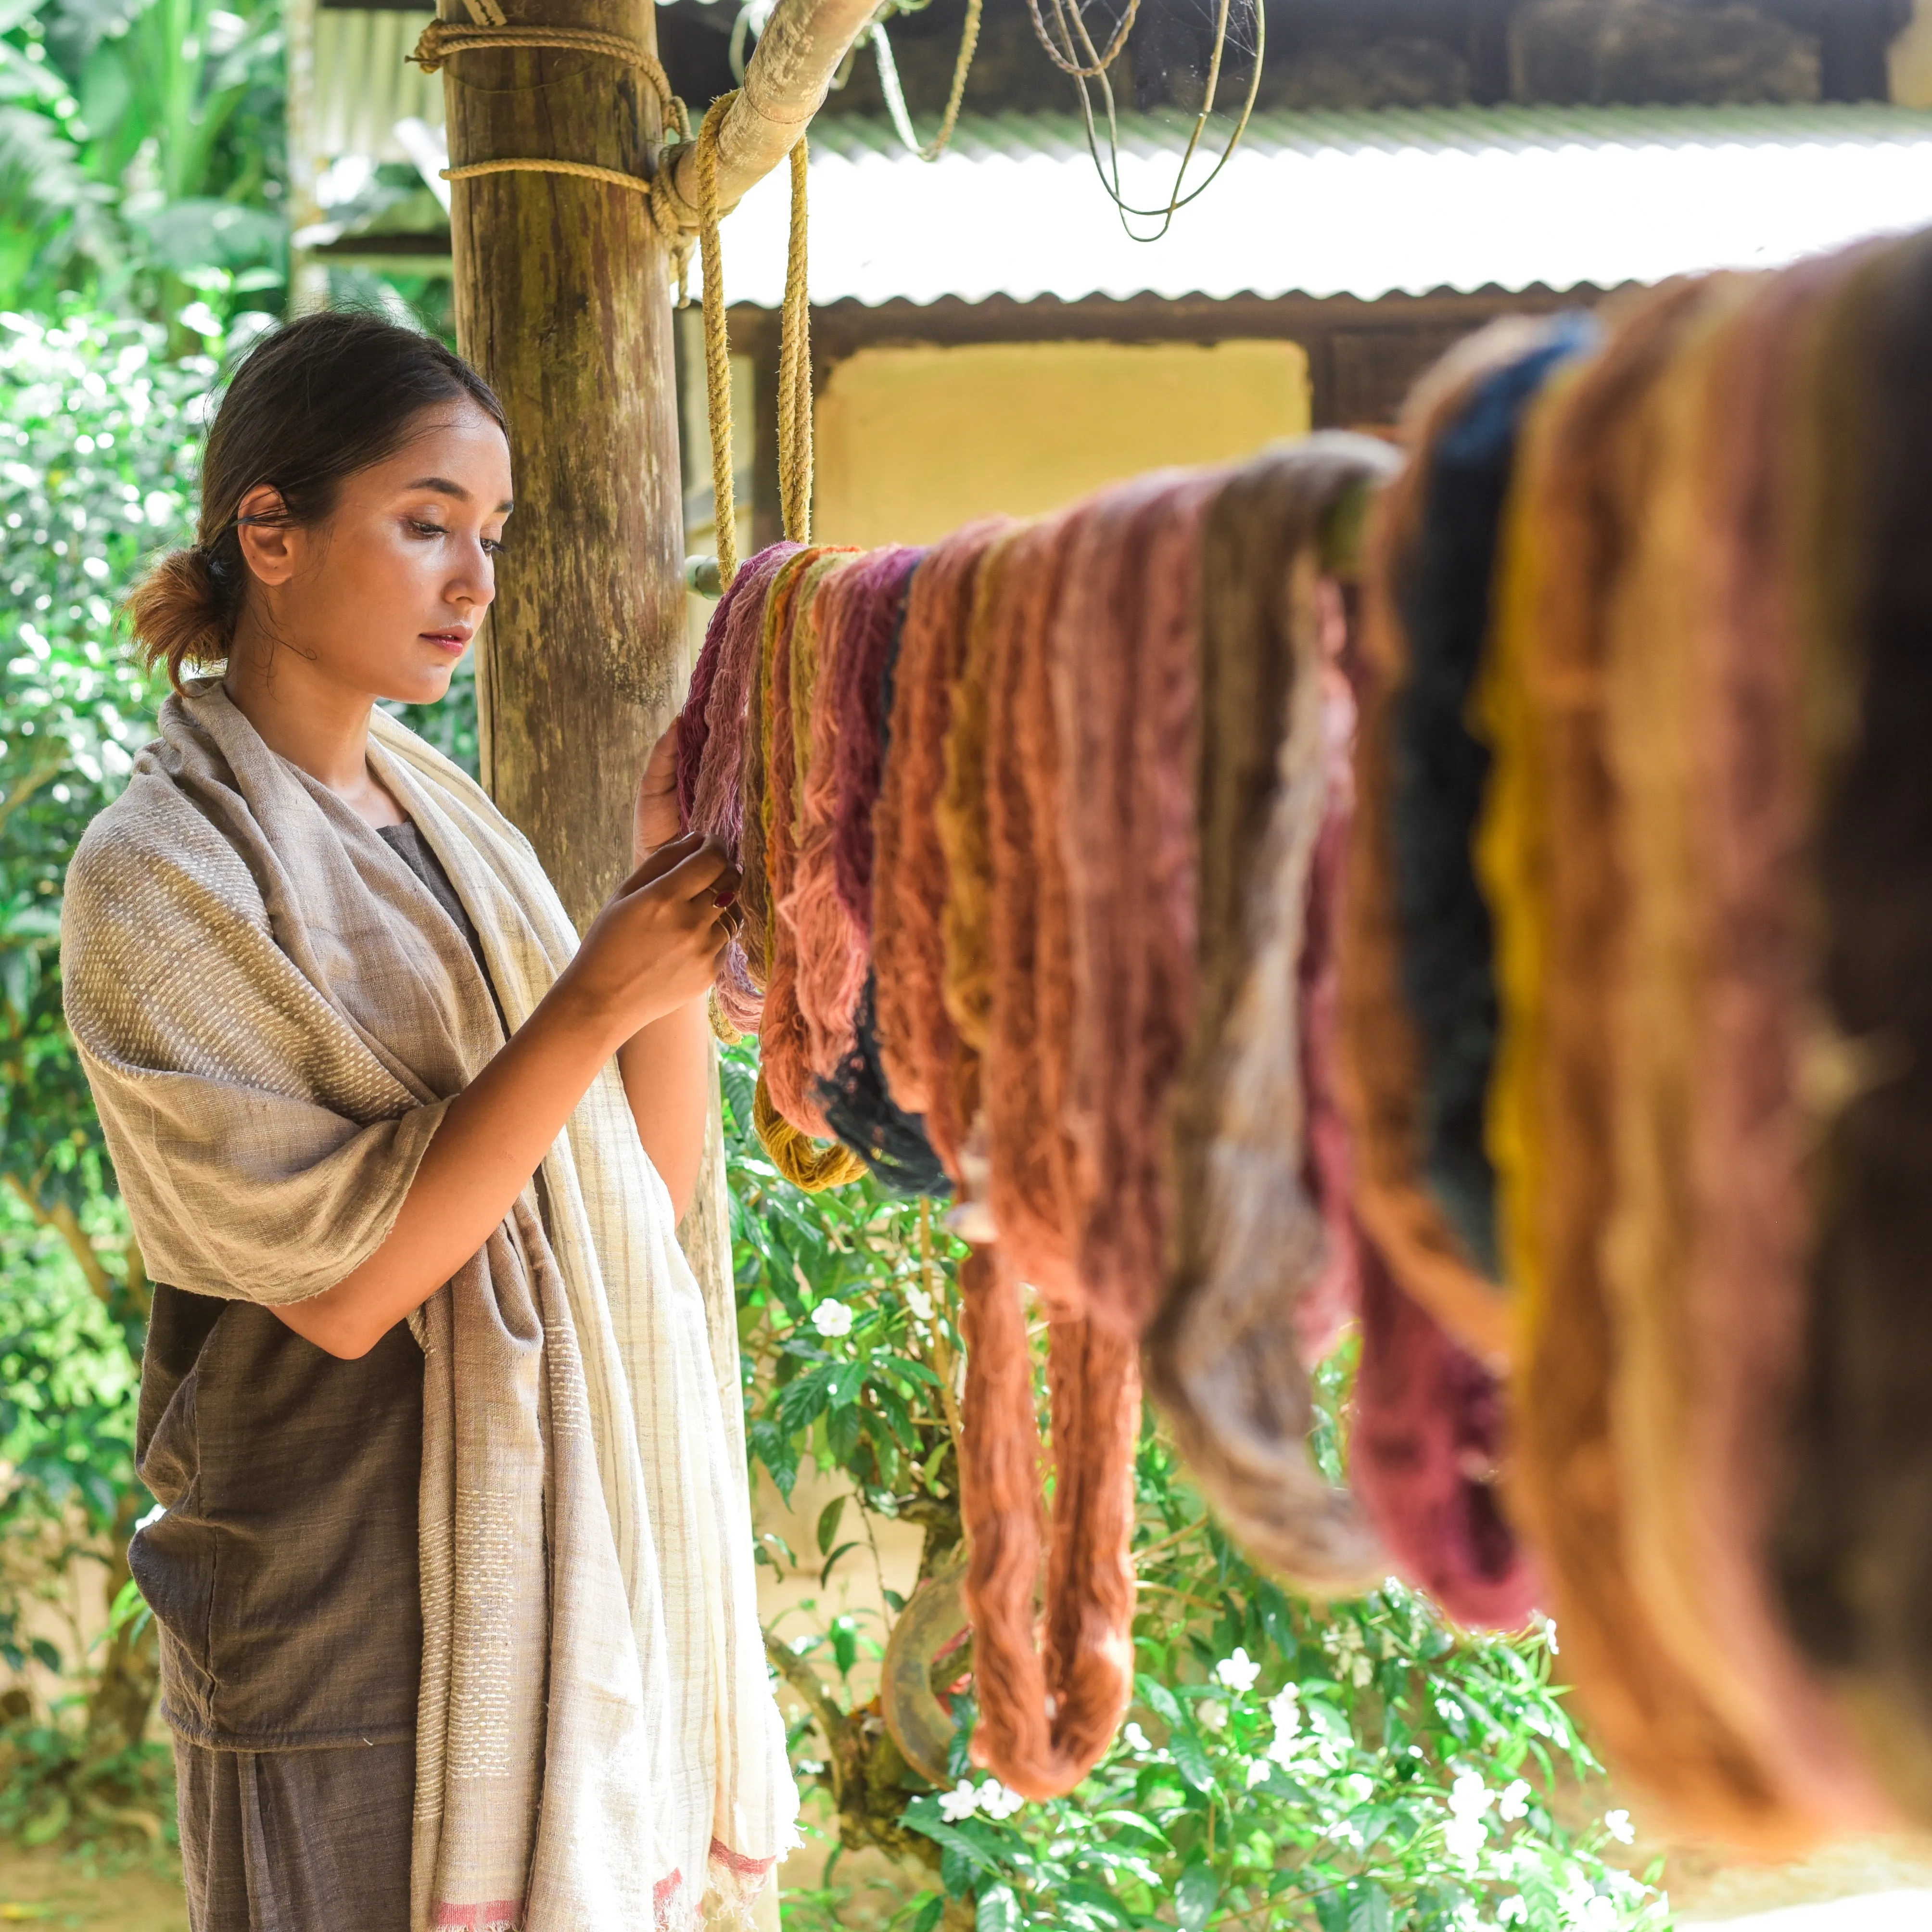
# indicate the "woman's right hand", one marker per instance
pixel 657 945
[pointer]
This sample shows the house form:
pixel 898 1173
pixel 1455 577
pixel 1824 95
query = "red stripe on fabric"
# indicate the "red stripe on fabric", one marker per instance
pixel 662 1894
pixel 736 1861
pixel 490 1911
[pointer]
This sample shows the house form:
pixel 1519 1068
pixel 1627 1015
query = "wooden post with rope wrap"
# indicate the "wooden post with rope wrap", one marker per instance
pixel 566 246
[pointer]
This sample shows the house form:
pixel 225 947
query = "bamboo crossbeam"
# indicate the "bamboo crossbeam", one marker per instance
pixel 786 80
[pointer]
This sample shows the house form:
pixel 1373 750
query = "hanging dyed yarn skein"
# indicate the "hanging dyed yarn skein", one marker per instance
pixel 1124 692
pixel 711 748
pixel 1225 1357
pixel 1703 1553
pixel 1851 1553
pixel 919 1046
pixel 794 1132
pixel 1660 717
pixel 1418 998
pixel 1553 838
pixel 1029 1021
pixel 1049 1707
pixel 855 1098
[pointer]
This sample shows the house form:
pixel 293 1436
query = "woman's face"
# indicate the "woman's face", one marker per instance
pixel 382 598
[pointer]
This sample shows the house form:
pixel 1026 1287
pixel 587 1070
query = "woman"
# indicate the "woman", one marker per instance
pixel 454 1576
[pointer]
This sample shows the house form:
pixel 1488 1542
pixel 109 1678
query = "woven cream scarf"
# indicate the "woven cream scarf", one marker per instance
pixel 273 1011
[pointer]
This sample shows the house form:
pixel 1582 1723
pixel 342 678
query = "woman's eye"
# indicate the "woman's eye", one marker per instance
pixel 493 546
pixel 423 529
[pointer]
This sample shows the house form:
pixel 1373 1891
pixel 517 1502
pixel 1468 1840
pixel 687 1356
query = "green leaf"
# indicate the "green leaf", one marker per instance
pixel 930 1914
pixel 828 1522
pixel 843 1428
pixel 997 1910
pixel 956 1873
pixel 1191 1760
pixel 845 1644
pixel 1370 1909
pixel 923 1817
pixel 804 1401
pixel 1159 1700
pixel 893 1406
pixel 1132 1821
pixel 831 1562
pixel 1195 1896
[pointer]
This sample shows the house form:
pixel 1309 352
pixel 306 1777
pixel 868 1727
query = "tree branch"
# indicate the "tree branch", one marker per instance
pixel 803 1679
pixel 62 1219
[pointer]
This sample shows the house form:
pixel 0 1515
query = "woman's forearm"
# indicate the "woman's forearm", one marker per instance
pixel 492 1138
pixel 644 965
pixel 666 1070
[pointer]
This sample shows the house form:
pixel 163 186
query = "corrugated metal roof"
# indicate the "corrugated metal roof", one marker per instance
pixel 363 86
pixel 1331 203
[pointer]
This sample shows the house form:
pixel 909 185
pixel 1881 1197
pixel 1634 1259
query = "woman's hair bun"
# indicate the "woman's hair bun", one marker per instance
pixel 179 615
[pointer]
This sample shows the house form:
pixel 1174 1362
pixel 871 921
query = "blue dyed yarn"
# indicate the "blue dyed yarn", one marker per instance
pixel 1440 769
pixel 856 1102
pixel 859 1109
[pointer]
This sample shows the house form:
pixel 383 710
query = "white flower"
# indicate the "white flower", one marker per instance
pixel 1470 1797
pixel 1599 1916
pixel 1238 1673
pixel 996 1801
pixel 919 1302
pixel 832 1317
pixel 1579 1902
pixel 1513 1910
pixel 1285 1708
pixel 1135 1739
pixel 1618 1824
pixel 1466 1836
pixel 961 1801
pixel 1257 1771
pixel 1361 1672
pixel 1515 1802
pixel 1211 1715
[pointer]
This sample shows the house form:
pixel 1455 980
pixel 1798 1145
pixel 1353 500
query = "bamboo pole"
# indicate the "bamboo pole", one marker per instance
pixel 785 82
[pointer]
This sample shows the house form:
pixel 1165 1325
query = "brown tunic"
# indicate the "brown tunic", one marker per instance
pixel 283 1574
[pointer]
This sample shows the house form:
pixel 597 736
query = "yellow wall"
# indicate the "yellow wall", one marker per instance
pixel 913 441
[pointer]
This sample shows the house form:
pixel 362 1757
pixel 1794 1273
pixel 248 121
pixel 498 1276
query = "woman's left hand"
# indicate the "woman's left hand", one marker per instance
pixel 655 821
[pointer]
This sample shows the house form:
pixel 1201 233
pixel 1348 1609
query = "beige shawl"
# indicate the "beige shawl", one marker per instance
pixel 273 1011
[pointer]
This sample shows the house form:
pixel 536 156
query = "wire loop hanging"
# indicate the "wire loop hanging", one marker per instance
pixel 1075 54
pixel 895 100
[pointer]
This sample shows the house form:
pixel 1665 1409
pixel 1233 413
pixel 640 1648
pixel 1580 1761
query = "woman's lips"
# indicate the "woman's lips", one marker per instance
pixel 454 642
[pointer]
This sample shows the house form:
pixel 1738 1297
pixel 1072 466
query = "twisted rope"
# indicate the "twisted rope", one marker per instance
pixel 442 38
pixel 717 343
pixel 795 368
pixel 670 215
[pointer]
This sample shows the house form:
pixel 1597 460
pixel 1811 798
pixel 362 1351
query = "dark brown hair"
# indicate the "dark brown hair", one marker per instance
pixel 306 408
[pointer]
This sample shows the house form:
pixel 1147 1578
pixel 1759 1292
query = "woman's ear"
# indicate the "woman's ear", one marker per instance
pixel 269 545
